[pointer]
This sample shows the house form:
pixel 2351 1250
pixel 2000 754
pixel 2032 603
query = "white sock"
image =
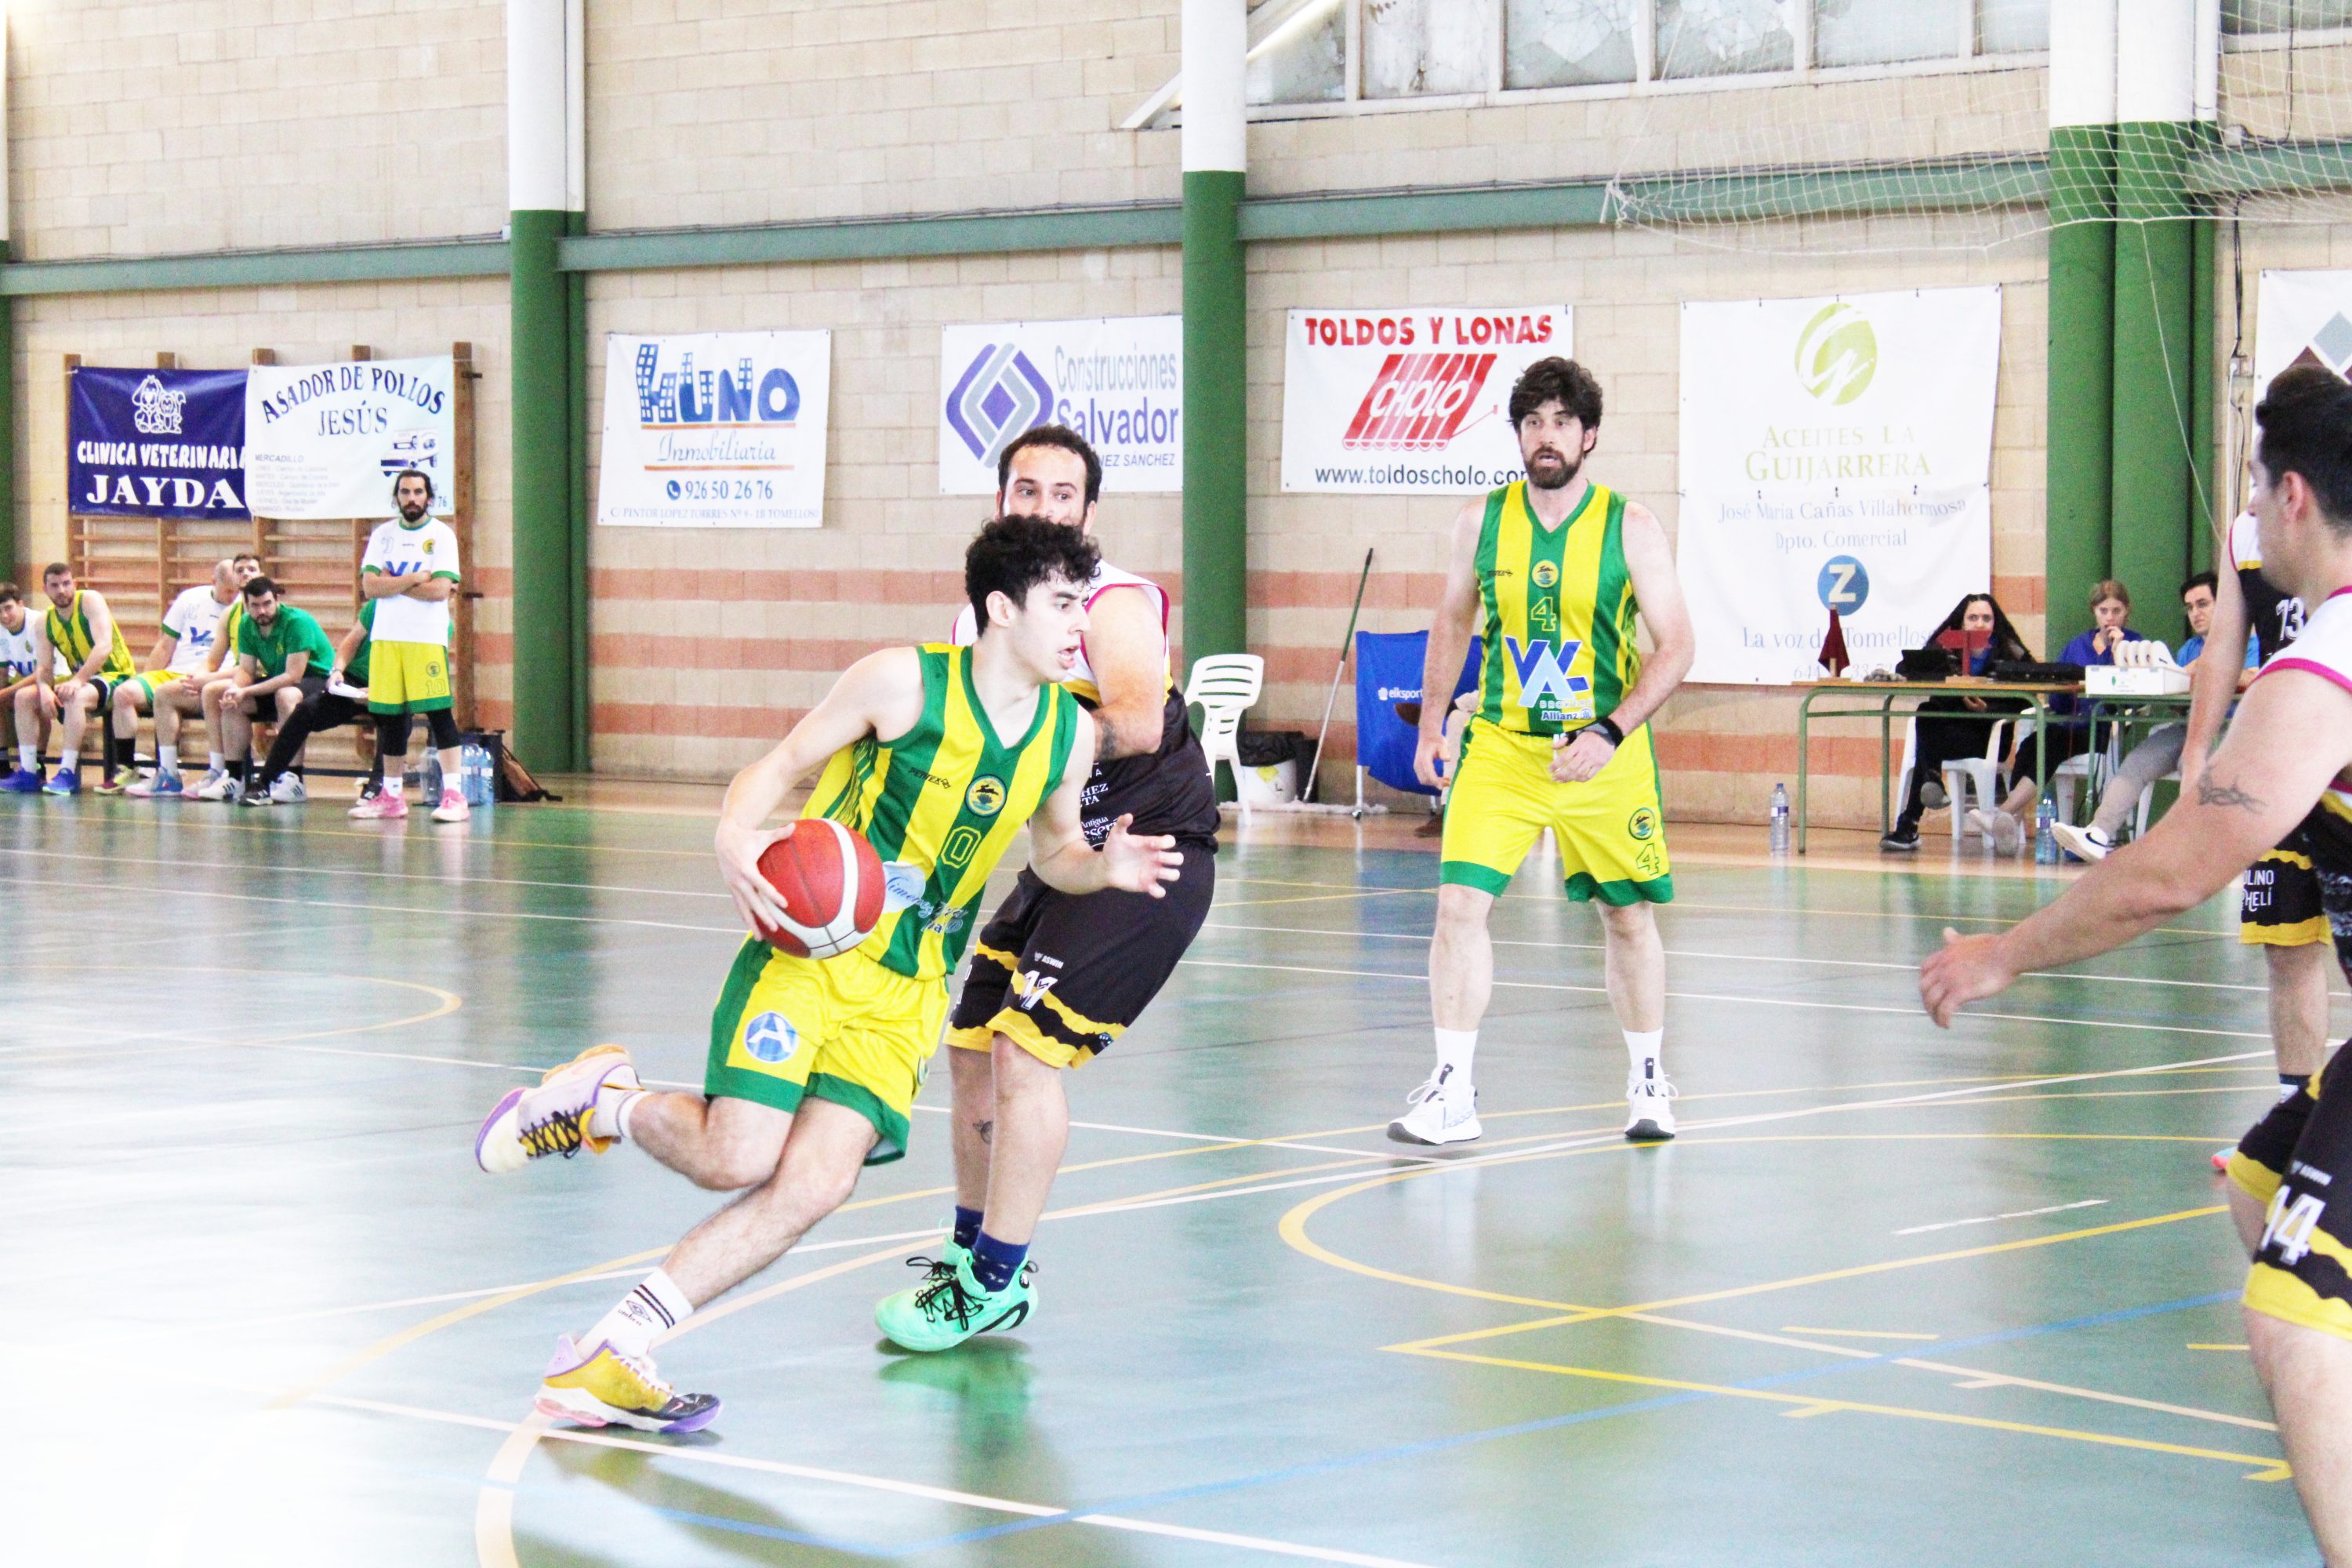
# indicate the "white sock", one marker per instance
pixel 1646 1048
pixel 167 756
pixel 609 1119
pixel 1455 1049
pixel 216 762
pixel 652 1310
pixel 28 758
pixel 391 780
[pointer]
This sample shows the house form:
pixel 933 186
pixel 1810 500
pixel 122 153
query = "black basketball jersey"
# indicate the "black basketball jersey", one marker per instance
pixel 2276 618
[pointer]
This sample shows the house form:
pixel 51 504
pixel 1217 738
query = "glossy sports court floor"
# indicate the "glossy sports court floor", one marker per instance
pixel 1894 1296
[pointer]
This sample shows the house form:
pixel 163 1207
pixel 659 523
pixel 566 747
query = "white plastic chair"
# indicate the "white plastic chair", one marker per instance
pixel 1960 772
pixel 1225 686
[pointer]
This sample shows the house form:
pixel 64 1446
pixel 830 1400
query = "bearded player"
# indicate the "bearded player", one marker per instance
pixel 1554 569
pixel 2287 760
pixel 939 755
pixel 1055 979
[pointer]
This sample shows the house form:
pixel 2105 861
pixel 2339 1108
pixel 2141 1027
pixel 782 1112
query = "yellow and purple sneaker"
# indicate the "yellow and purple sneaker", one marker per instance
pixel 602 1387
pixel 556 1115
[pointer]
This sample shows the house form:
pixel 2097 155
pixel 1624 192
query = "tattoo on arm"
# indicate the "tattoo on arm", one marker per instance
pixel 984 1129
pixel 2209 792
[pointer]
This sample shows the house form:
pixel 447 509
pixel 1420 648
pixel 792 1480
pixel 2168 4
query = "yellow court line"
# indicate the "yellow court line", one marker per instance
pixel 1318 898
pixel 2264 1466
pixel 2221 1347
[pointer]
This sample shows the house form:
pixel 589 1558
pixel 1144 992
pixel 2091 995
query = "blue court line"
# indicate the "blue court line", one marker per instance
pixel 1130 1504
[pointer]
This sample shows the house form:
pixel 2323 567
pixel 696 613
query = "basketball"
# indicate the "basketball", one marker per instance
pixel 831 882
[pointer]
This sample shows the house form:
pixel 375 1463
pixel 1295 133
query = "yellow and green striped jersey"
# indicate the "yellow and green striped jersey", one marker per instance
pixel 949 797
pixel 69 634
pixel 1560 649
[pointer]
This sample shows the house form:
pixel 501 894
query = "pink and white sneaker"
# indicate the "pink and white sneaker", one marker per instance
pixel 388 805
pixel 453 807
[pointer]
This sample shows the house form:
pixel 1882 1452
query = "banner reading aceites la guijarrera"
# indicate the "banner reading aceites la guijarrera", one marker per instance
pixel 156 443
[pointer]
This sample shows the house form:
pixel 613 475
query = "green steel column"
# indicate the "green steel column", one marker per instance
pixel 13 553
pixel 1216 299
pixel 2080 369
pixel 2210 512
pixel 1216 433
pixel 575 299
pixel 2152 484
pixel 539 351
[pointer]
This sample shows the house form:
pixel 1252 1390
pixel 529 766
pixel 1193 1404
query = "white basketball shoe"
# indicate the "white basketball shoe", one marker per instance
pixel 1440 1112
pixel 1648 1105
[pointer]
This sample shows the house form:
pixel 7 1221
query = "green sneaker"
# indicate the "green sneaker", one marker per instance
pixel 948 1307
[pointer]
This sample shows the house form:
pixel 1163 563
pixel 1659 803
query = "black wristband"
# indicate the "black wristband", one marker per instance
pixel 1607 727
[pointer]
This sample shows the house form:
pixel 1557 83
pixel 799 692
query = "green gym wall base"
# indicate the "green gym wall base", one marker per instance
pixel 2152 479
pixel 11 559
pixel 2081 370
pixel 1216 433
pixel 542 421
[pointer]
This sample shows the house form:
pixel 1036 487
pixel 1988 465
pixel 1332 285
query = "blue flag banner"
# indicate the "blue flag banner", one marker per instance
pixel 1388 671
pixel 156 443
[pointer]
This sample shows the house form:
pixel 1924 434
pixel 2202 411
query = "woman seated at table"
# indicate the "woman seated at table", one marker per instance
pixel 2069 729
pixel 1951 728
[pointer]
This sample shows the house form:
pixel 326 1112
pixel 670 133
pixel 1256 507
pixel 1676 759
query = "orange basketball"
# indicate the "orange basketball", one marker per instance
pixel 831 882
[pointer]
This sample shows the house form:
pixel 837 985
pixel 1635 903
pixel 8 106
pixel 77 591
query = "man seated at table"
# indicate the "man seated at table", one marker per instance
pixel 1951 728
pixel 2065 737
pixel 2158 754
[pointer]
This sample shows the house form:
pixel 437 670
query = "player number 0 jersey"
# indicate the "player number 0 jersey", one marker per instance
pixel 1559 613
pixel 949 795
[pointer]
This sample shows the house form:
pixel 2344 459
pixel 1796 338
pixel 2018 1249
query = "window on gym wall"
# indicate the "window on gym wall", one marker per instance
pixel 1342 52
pixel 2254 16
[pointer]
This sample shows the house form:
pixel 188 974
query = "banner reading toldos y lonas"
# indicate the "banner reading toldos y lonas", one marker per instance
pixel 325 441
pixel 1408 402
pixel 1836 453
pixel 715 430
pixel 1119 382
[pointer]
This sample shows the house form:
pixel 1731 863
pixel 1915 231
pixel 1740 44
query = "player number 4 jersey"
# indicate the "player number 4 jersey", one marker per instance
pixel 1560 609
pixel 949 795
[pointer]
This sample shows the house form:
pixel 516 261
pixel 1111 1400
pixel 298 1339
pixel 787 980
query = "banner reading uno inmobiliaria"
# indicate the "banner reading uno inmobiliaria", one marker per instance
pixel 1119 382
pixel 1408 402
pixel 1835 453
pixel 325 441
pixel 715 430
pixel 156 443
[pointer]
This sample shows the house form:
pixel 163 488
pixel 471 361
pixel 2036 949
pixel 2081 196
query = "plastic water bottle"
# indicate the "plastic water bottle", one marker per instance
pixel 475 781
pixel 1779 819
pixel 2045 833
pixel 429 777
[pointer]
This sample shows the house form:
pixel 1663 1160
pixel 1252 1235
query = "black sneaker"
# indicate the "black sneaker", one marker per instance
pixel 1902 841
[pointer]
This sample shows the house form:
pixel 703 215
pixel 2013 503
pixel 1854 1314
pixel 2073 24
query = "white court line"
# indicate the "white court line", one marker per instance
pixel 443 911
pixel 874 1483
pixel 1217 1138
pixel 245 869
pixel 2013 1213
pixel 1743 957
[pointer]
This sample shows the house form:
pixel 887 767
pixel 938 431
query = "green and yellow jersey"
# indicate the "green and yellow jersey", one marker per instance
pixel 226 639
pixel 69 632
pixel 949 797
pixel 1560 609
pixel 356 672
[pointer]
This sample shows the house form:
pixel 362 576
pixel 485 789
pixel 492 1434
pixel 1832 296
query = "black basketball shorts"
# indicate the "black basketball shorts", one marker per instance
pixel 1063 976
pixel 2298 1161
pixel 2278 901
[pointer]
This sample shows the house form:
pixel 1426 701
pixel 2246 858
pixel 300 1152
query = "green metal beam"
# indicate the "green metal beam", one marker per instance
pixel 2275 168
pixel 1946 186
pixel 1574 205
pixel 250 268
pixel 949 234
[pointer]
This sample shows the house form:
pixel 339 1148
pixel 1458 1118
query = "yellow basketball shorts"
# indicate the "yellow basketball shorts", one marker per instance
pixel 844 1029
pixel 408 677
pixel 1612 834
pixel 155 682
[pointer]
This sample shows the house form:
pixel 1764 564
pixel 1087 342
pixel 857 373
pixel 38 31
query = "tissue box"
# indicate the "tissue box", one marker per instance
pixel 2150 680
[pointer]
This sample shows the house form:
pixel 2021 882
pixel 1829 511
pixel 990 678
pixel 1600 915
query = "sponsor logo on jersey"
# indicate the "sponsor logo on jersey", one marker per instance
pixel 1545 684
pixel 1417 402
pixel 771 1038
pixel 1642 823
pixel 986 796
pixel 1545 575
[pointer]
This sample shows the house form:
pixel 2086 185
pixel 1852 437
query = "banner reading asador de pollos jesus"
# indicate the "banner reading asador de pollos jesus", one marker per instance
pixel 1408 402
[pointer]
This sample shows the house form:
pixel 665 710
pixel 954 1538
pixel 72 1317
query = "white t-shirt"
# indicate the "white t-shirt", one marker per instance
pixel 16 652
pixel 429 548
pixel 195 618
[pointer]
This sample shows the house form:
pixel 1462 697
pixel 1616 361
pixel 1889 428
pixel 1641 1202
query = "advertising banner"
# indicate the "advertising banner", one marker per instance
pixel 1836 453
pixel 715 430
pixel 325 441
pixel 156 443
pixel 1119 382
pixel 2302 316
pixel 1408 402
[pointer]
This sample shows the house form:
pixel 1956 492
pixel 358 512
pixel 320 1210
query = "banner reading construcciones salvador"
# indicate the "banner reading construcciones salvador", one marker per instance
pixel 715 430
pixel 1119 382
pixel 1836 453
pixel 325 441
pixel 156 443
pixel 1408 402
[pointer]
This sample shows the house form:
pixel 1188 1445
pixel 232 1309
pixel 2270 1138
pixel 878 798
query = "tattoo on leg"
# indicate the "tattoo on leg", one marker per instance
pixel 2210 792
pixel 983 1128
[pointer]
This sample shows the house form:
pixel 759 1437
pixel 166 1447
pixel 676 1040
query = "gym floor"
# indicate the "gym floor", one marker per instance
pixel 1893 1295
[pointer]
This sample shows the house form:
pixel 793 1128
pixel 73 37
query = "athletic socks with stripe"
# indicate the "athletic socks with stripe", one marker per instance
pixel 652 1310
